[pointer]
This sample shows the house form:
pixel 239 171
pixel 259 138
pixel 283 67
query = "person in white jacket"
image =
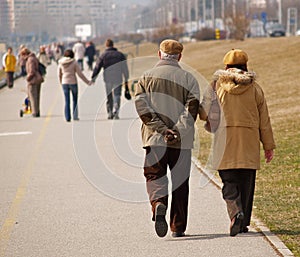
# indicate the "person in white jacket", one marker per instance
pixel 79 51
pixel 67 70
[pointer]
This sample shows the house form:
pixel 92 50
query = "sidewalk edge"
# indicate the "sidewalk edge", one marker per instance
pixel 271 238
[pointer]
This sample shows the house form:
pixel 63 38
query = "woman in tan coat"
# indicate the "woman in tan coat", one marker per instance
pixel 244 123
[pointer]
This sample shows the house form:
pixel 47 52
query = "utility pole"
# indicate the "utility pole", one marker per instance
pixel 204 11
pixel 197 14
pixel 222 10
pixel 247 7
pixel 234 8
pixel 213 13
pixel 189 16
pixel 279 12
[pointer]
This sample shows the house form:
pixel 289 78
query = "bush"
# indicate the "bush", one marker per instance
pixel 205 34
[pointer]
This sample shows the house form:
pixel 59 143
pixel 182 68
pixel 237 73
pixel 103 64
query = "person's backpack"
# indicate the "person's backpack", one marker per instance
pixel 42 69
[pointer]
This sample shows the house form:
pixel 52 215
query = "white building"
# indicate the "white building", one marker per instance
pixel 56 17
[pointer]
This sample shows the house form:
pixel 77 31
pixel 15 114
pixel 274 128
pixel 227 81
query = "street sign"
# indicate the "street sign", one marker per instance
pixel 83 30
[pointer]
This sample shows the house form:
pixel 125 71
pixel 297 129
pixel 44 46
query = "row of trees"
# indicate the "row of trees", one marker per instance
pixel 235 14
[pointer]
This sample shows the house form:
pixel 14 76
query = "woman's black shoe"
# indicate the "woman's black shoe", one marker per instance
pixel 244 230
pixel 236 222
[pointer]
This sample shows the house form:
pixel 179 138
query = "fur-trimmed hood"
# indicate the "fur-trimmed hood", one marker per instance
pixel 66 61
pixel 234 81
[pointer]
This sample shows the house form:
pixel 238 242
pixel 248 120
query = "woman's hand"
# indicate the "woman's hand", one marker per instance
pixel 269 154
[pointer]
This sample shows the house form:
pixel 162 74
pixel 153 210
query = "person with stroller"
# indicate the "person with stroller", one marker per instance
pixel 34 80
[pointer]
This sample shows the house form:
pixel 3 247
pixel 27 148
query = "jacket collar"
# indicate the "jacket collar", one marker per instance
pixel 168 62
pixel 234 81
pixel 236 75
pixel 111 49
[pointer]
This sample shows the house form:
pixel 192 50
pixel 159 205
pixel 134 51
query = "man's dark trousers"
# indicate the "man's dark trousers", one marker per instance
pixel 157 161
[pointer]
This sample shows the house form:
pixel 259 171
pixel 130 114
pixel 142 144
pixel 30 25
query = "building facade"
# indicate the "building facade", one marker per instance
pixel 55 17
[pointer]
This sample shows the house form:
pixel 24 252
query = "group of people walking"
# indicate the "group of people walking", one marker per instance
pixel 167 100
pixel 115 73
pixel 69 64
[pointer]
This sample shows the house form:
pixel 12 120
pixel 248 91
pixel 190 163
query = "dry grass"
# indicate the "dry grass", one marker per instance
pixel 276 62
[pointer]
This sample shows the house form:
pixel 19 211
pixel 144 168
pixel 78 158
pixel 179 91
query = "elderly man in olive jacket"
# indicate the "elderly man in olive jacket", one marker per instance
pixel 167 101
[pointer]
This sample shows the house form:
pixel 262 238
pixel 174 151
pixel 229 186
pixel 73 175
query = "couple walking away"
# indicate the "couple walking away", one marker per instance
pixel 167 102
pixel 115 68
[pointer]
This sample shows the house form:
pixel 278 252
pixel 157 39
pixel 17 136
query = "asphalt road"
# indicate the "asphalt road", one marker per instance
pixel 77 189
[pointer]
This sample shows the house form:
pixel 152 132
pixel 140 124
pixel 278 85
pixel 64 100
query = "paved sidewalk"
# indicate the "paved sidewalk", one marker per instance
pixel 77 189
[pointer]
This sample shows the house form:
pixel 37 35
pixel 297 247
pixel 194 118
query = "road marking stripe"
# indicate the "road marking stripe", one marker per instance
pixel 11 218
pixel 15 133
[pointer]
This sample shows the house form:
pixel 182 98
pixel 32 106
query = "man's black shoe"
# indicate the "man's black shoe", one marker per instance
pixel 110 116
pixel 236 222
pixel 178 234
pixel 161 226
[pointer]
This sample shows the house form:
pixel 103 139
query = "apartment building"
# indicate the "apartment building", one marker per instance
pixel 55 17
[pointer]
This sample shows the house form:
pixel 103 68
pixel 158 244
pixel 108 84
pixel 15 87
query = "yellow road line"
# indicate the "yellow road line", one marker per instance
pixel 11 218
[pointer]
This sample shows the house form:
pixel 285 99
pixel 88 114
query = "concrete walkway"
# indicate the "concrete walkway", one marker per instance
pixel 77 189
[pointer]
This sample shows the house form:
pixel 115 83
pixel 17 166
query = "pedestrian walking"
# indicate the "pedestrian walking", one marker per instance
pixel 79 51
pixel 34 80
pixel 68 68
pixel 167 102
pixel 43 57
pixel 115 69
pixel 90 52
pixel 49 53
pixel 9 62
pixel 244 124
pixel 22 61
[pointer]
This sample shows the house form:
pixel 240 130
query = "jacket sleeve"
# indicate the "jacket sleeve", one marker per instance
pixel 125 71
pixel 3 60
pixel 189 115
pixel 59 73
pixel 265 128
pixel 205 105
pixel 80 74
pixel 98 67
pixel 30 69
pixel 33 75
pixel 148 116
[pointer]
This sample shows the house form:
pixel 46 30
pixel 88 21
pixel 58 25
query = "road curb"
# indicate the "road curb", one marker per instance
pixel 271 238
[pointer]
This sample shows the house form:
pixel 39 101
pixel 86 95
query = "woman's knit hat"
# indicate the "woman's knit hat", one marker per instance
pixel 235 57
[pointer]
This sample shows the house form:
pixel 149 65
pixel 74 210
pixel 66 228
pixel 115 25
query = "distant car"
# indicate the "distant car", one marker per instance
pixel 275 30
